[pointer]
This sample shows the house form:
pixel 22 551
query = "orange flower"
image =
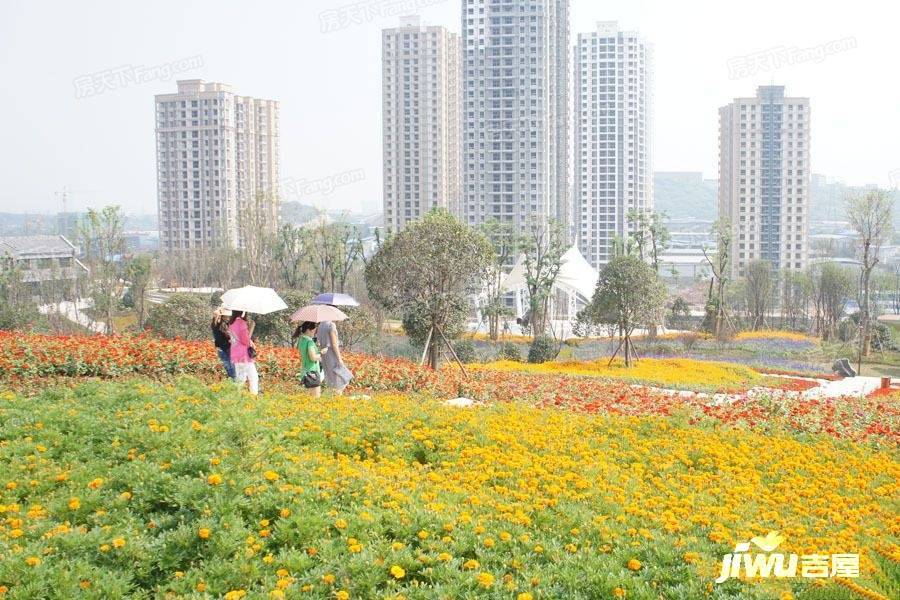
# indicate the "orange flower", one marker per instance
pixel 203 533
pixel 634 564
pixel 95 483
pixel 214 479
pixel 74 503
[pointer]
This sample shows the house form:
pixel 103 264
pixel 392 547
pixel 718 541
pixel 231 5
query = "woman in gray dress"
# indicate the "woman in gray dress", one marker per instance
pixel 337 375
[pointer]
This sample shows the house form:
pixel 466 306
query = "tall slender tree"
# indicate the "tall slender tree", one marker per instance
pixel 871 216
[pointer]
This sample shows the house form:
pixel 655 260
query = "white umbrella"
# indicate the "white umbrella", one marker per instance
pixel 249 298
pixel 318 313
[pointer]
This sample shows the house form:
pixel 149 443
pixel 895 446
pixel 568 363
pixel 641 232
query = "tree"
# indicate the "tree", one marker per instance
pixel 430 267
pixel 17 309
pixel 292 251
pixel 336 250
pixel 796 291
pixel 503 240
pixel 651 236
pixel 257 223
pixel 185 316
pixel 137 273
pixel 871 217
pixel 759 286
pixel 679 313
pixel 543 247
pixel 831 286
pixel 719 264
pixel 276 328
pixel 629 294
pixel 102 244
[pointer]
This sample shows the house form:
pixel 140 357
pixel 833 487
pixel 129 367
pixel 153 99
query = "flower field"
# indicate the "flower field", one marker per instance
pixel 133 488
pixel 671 372
pixel 32 362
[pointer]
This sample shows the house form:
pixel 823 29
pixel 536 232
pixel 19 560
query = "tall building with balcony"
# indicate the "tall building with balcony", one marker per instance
pixel 515 116
pixel 420 117
pixel 764 179
pixel 613 125
pixel 217 165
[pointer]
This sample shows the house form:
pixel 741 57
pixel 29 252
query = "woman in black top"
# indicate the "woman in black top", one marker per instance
pixel 222 340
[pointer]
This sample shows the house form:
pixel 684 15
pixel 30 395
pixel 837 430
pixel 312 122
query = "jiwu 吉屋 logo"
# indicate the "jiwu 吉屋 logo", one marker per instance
pixel 769 564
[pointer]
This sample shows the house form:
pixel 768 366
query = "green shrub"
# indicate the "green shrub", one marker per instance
pixel 509 351
pixel 185 316
pixel 465 351
pixel 543 349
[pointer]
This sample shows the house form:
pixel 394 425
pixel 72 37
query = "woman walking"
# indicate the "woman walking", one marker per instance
pixel 311 374
pixel 222 340
pixel 337 375
pixel 243 351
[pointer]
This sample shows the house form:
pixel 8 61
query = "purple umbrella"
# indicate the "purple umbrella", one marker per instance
pixel 335 299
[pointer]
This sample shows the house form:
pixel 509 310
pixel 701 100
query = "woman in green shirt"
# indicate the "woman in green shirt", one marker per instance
pixel 310 355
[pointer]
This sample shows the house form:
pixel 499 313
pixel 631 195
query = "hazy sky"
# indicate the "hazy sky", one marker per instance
pixel 329 84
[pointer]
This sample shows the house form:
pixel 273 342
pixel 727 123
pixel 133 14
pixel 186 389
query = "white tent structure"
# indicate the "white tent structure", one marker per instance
pixel 572 291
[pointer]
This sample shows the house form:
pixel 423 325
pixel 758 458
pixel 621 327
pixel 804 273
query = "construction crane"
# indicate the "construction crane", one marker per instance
pixel 63 195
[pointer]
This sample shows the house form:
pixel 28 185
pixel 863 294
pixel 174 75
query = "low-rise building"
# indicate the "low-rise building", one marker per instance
pixel 42 259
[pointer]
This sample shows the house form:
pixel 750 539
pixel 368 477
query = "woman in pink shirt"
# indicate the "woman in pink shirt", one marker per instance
pixel 241 341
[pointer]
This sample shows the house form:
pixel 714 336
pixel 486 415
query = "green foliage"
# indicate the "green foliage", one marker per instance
pixel 185 316
pixel 276 328
pixel 426 272
pixel 417 322
pixel 359 329
pixel 465 351
pixel 543 349
pixel 509 351
pixel 17 309
pixel 679 313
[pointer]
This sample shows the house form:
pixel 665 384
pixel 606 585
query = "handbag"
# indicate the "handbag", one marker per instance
pixel 251 352
pixel 312 379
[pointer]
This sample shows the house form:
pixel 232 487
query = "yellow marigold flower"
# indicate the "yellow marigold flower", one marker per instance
pixel 179 574
pixel 342 595
pixel 282 572
pixel 397 572
pixel 471 564
pixel 505 536
pixel 444 557
pixel 485 580
pixel 524 596
pixel 16 533
pixel 271 476
pixel 215 460
pixel 214 479
pixel 104 548
pixel 634 564
pixel 448 527
pixel 340 524
pixel 786 596
pixel 619 592
pixel 355 548
pixel 328 578
pixel 118 543
pixel 84 584
pixel 311 551
pixel 691 557
pixel 306 588
pixel 539 549
pixel 235 595
pixel 125 496
pixel 74 503
pixel 285 513
pixel 95 483
pixel 32 561
pixel 423 534
pixel 277 594
pixel 12 485
pixel 488 542
pixel 203 533
pixel 397 546
pixel 200 587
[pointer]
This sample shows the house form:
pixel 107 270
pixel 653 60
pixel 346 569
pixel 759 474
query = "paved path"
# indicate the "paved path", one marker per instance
pixel 73 312
pixel 848 386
